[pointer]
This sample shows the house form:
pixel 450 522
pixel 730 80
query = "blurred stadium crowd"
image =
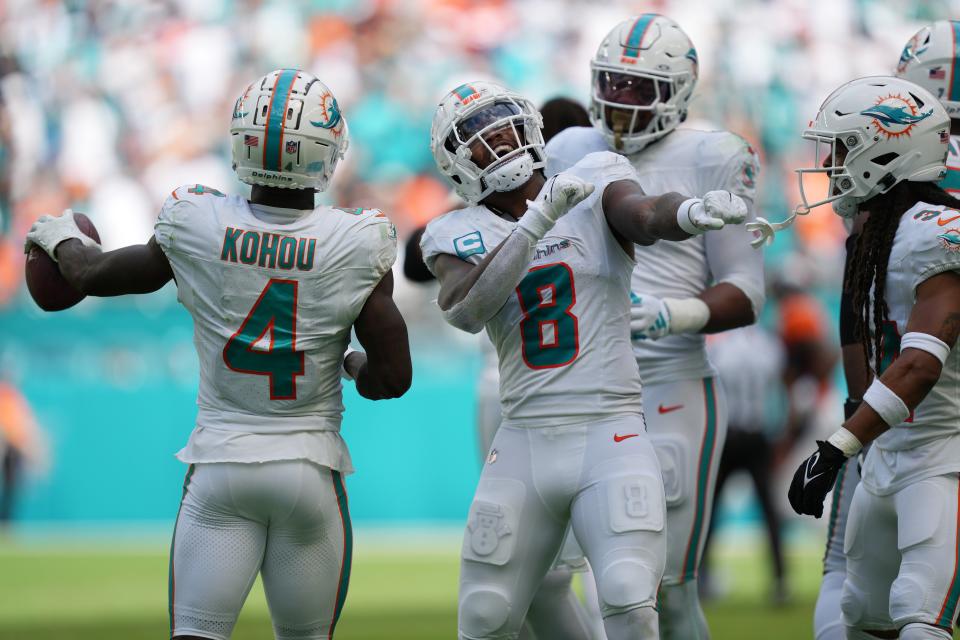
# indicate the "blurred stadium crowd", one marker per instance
pixel 106 105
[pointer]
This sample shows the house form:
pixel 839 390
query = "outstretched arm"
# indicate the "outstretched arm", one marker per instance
pixel 141 268
pixel 385 370
pixel 641 219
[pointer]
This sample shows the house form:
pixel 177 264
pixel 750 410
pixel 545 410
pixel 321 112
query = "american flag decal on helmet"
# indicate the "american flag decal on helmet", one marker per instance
pixel 938 73
pixel 251 141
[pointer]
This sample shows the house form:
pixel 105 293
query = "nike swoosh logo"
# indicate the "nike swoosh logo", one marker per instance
pixel 619 438
pixel 944 223
pixel 807 478
pixel 662 409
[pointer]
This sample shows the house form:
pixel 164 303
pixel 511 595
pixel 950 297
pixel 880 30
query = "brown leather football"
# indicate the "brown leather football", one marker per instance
pixel 46 285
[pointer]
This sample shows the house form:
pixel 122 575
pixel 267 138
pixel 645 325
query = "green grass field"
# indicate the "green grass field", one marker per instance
pixel 83 591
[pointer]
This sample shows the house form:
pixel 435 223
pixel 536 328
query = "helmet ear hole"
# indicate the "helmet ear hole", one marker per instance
pixel 885 159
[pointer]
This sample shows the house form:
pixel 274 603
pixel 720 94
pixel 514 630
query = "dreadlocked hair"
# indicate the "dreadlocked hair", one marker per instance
pixel 872 255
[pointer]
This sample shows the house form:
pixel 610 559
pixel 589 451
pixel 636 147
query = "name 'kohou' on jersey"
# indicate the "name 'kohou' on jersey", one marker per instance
pixel 272 306
pixel 563 336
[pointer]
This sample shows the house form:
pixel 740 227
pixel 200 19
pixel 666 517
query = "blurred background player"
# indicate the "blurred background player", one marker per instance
pixel 644 73
pixel 21 445
pixel 929 59
pixel 572 446
pixel 750 363
pixel 555 611
pixel 274 285
pixel 902 531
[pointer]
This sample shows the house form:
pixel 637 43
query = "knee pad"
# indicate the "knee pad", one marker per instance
pixel 908 595
pixel 921 631
pixel 625 584
pixel 641 622
pixel 493 521
pixel 671 452
pixel 853 604
pixel 482 614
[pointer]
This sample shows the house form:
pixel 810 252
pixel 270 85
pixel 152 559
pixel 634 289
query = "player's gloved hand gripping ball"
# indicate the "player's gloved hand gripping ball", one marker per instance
pixel 815 478
pixel 46 284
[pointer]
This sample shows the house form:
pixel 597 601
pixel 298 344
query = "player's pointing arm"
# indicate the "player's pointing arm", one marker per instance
pixel 643 219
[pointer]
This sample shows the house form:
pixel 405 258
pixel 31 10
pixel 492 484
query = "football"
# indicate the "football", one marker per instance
pixel 46 285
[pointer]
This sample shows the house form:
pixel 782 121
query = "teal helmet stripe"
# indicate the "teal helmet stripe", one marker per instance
pixel 631 49
pixel 464 91
pixel 273 129
pixel 954 91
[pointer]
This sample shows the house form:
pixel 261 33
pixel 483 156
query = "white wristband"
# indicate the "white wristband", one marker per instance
pixel 846 442
pixel 343 365
pixel 687 315
pixel 534 223
pixel 891 408
pixel 683 216
pixel 926 342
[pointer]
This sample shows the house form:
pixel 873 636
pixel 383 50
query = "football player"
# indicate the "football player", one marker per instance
pixel 544 266
pixel 928 59
pixel 644 73
pixel 274 285
pixel 883 142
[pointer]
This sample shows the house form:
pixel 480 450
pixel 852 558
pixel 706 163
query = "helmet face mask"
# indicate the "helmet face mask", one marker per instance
pixel 287 131
pixel 869 135
pixel 486 139
pixel 643 76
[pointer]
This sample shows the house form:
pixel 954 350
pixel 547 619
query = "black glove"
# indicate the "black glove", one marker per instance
pixel 815 478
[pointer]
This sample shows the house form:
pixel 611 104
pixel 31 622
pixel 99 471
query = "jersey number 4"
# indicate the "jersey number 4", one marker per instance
pixel 266 342
pixel 549 333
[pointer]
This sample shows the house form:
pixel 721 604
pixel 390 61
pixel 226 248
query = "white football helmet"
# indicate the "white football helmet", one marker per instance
pixel 876 131
pixel 484 115
pixel 643 77
pixel 929 59
pixel 287 131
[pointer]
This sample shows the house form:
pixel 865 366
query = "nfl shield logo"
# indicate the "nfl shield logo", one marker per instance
pixel 293 146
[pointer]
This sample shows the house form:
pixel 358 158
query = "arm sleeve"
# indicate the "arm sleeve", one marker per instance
pixel 729 254
pixel 413 266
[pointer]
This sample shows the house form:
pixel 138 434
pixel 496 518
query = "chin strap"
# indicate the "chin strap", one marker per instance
pixel 764 230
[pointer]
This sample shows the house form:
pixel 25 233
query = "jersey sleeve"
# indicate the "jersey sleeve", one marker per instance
pixel 377 238
pixel 187 220
pixel 602 168
pixel 440 237
pixel 932 250
pixel 739 169
pixel 569 146
pixel 173 220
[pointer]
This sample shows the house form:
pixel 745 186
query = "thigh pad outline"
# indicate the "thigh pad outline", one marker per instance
pixel 674 466
pixel 635 503
pixel 492 524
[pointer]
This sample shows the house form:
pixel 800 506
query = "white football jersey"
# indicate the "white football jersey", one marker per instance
pixel 951 181
pixel 692 163
pixel 272 307
pixel 927 242
pixel 562 338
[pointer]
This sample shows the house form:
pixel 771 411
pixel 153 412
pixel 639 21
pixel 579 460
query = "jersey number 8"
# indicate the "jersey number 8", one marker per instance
pixel 549 333
pixel 274 313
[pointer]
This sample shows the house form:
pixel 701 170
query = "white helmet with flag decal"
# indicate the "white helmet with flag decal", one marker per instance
pixel 930 59
pixel 869 135
pixel 643 77
pixel 287 131
pixel 482 121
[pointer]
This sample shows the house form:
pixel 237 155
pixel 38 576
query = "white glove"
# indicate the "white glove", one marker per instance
pixel 48 232
pixel 560 194
pixel 649 317
pixel 716 210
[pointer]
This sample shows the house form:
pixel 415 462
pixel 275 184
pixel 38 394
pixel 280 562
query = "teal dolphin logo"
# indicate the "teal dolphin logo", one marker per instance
pixel 333 115
pixel 950 240
pixel 888 115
